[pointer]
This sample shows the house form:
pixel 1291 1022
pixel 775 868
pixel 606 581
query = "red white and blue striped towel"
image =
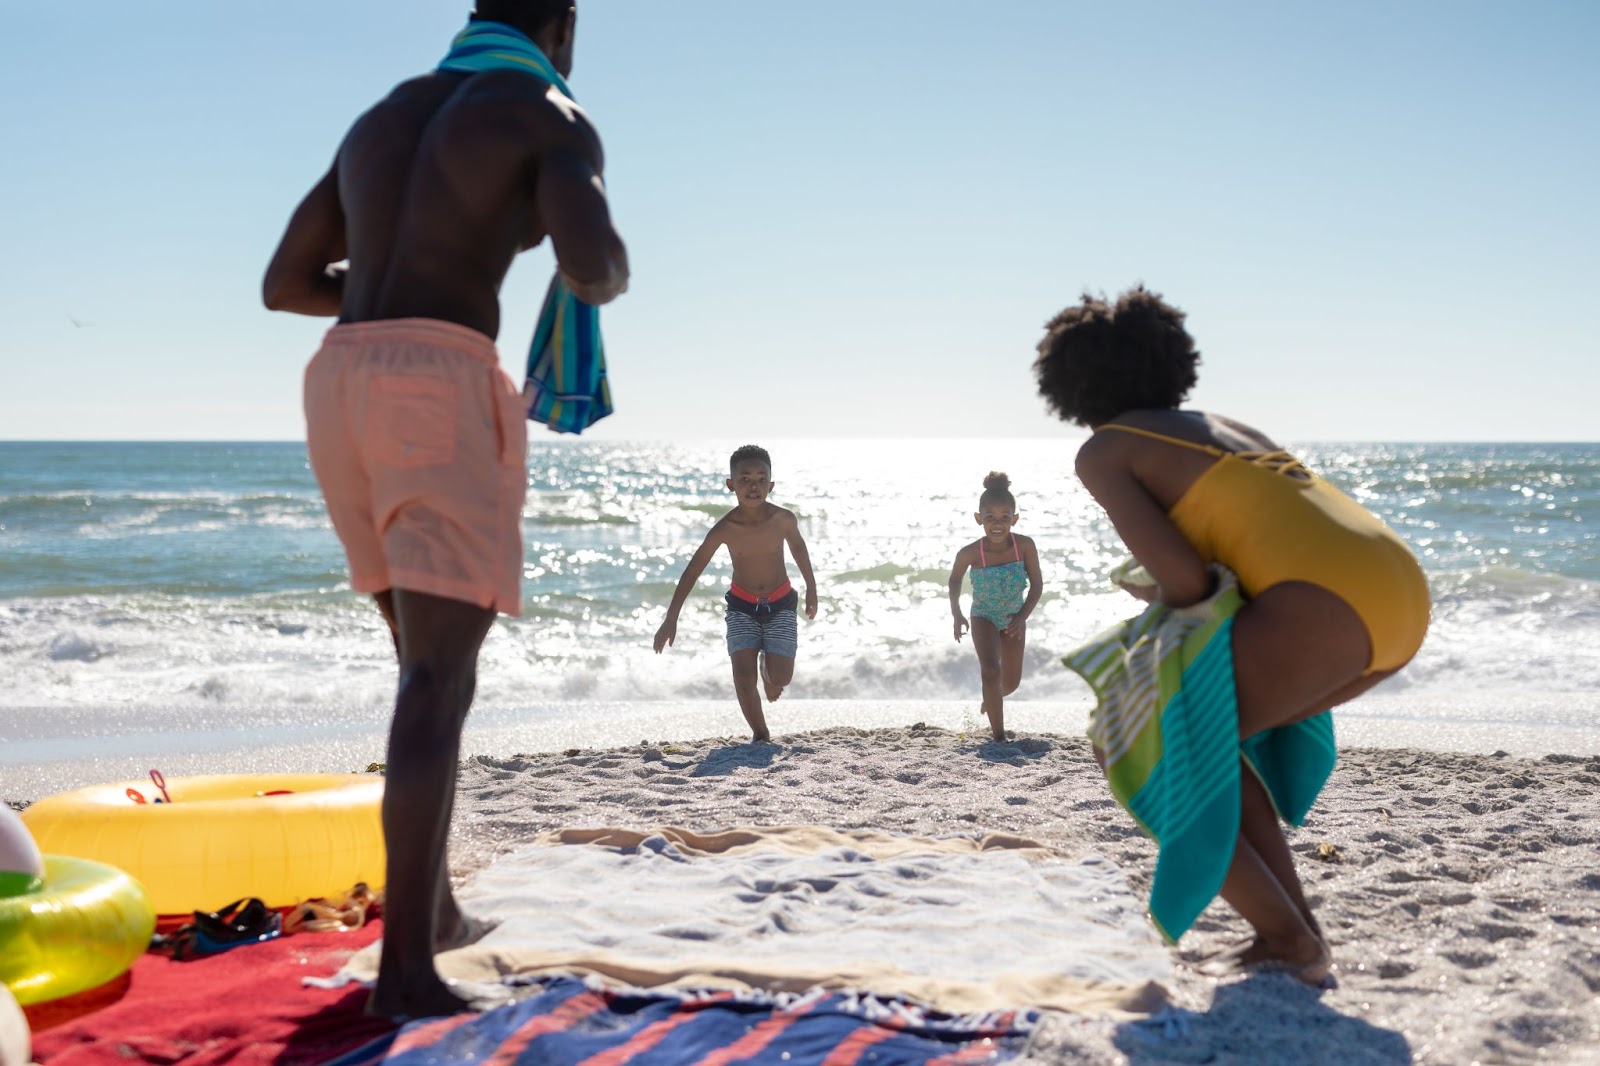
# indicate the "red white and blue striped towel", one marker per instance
pixel 571 1021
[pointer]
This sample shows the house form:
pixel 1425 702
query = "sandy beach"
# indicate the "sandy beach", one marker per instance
pixel 1460 891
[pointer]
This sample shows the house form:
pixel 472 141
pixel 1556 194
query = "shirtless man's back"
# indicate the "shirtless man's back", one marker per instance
pixel 417 436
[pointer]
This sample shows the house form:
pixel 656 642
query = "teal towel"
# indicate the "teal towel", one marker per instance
pixel 1167 719
pixel 566 387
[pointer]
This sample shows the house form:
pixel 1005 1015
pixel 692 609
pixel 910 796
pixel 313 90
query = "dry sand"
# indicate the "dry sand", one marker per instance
pixel 1461 892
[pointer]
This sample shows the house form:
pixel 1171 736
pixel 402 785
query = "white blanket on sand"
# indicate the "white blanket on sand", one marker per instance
pixel 961 924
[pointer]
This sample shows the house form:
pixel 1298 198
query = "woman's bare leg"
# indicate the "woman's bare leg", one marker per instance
pixel 1283 935
pixel 1297 649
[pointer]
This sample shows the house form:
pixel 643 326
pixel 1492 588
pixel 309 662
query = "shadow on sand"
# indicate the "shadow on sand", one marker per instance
pixel 1263 1020
pixel 719 762
pixel 1015 752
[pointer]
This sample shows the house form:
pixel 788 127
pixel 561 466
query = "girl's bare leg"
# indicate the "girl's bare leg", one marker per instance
pixel 986 641
pixel 1011 649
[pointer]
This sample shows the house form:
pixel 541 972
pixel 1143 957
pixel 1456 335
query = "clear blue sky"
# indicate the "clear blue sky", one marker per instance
pixel 851 217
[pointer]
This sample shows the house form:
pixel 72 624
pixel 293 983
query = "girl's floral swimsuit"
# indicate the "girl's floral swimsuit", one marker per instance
pixel 998 591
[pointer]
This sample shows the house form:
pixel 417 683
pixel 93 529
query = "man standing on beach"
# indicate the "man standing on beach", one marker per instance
pixel 417 437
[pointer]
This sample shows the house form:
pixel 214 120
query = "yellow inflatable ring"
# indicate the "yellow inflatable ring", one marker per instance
pixel 82 927
pixel 281 837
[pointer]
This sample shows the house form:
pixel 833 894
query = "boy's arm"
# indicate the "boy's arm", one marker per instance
pixel 1030 562
pixel 957 572
pixel 691 573
pixel 802 559
pixel 1159 546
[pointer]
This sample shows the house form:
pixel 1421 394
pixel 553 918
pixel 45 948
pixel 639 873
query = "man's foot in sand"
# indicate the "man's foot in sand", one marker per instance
pixel 434 999
pixel 1305 957
pixel 773 691
pixel 463 930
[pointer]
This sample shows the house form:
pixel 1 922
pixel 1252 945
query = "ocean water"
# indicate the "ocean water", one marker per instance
pixel 186 604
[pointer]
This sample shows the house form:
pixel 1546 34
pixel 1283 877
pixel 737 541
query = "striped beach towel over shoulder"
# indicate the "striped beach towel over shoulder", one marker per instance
pixel 566 387
pixel 486 45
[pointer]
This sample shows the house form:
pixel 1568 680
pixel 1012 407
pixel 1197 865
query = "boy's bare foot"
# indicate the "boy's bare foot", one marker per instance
pixel 1304 957
pixel 773 691
pixel 762 737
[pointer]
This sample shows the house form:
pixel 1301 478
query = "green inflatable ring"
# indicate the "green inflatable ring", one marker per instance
pixel 83 925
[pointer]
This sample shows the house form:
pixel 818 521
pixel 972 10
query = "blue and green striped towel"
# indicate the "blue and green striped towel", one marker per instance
pixel 1167 720
pixel 566 387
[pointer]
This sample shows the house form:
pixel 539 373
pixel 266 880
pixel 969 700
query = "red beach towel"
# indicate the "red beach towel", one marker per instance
pixel 242 1007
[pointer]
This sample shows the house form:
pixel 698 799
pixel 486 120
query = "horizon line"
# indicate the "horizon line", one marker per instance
pixel 565 439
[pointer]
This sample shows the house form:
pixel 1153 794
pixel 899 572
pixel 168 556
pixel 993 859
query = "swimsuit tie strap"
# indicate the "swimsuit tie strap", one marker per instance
pixel 1209 449
pixel 1279 462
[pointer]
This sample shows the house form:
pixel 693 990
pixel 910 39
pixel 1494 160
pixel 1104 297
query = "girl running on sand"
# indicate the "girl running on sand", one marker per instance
pixel 1005 588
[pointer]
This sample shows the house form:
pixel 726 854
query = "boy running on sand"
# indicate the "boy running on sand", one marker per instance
pixel 762 629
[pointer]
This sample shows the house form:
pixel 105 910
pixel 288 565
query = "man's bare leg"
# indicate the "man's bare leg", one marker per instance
pixel 776 673
pixel 745 675
pixel 385 602
pixel 439 642
pixel 452 929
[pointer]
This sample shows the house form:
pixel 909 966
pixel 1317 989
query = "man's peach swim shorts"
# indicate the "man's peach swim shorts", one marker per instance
pixel 420 443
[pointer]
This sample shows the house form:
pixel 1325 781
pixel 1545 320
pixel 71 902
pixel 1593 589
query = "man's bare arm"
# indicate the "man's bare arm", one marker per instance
pixel 300 277
pixel 571 199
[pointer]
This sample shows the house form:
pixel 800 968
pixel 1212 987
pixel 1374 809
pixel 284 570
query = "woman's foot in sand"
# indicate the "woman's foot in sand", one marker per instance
pixel 1304 957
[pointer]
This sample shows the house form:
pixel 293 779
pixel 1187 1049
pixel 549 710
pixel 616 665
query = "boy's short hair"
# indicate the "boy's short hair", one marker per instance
pixel 1099 360
pixel 745 454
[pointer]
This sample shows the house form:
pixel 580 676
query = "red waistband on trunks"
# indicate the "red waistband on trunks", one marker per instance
pixel 750 597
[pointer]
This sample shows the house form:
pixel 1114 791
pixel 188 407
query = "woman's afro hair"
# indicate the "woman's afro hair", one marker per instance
pixel 1100 359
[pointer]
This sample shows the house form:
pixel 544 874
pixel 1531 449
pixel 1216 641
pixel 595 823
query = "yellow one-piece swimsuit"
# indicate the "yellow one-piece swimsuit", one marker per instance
pixel 1270 520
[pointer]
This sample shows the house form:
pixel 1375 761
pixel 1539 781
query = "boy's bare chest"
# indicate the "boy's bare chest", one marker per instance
pixel 755 538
